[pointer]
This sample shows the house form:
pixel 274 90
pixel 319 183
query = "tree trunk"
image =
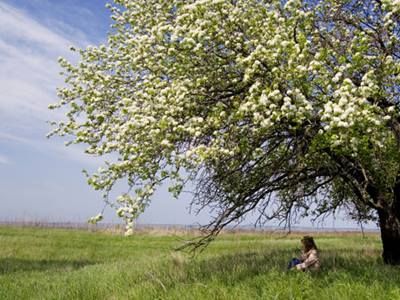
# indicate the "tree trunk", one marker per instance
pixel 389 221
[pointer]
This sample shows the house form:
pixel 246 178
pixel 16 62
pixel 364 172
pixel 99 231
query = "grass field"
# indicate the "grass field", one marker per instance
pixel 76 264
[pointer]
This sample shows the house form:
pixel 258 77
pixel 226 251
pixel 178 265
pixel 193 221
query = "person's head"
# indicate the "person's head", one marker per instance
pixel 308 243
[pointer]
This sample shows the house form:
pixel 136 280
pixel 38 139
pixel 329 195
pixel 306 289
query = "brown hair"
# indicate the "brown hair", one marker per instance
pixel 308 243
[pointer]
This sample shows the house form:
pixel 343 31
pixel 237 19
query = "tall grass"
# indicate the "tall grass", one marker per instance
pixel 75 264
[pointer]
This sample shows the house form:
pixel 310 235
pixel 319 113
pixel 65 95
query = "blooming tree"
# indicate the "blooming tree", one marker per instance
pixel 287 108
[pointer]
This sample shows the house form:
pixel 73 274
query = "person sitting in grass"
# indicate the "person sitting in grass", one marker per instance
pixel 309 259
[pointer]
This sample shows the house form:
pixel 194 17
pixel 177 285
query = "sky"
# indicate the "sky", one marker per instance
pixel 41 179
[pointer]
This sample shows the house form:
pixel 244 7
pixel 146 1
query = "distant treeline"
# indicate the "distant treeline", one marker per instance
pixel 183 227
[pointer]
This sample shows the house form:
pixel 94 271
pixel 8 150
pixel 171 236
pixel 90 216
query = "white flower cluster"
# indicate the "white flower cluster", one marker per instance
pixel 182 85
pixel 96 219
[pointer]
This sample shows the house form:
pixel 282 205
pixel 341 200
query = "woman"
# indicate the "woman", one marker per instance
pixel 309 259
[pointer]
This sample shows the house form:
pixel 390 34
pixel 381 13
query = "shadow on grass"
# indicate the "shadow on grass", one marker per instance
pixel 11 265
pixel 358 266
pixel 364 266
pixel 242 265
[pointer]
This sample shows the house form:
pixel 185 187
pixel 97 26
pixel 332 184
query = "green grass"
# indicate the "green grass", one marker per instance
pixel 75 264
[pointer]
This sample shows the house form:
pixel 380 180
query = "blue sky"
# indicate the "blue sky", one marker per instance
pixel 41 179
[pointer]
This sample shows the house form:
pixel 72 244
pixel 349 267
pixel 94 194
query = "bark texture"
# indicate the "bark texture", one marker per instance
pixel 389 221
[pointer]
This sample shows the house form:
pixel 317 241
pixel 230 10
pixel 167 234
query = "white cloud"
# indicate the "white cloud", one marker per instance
pixel 15 25
pixel 4 160
pixel 29 72
pixel 13 138
pixel 52 148
pixel 29 76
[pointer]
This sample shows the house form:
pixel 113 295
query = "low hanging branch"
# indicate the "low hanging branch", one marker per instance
pixel 288 108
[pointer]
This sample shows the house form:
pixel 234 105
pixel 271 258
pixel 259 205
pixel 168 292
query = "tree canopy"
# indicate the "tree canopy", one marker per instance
pixel 287 108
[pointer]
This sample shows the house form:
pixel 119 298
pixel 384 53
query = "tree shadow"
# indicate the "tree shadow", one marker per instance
pixel 241 266
pixel 366 268
pixel 363 266
pixel 12 265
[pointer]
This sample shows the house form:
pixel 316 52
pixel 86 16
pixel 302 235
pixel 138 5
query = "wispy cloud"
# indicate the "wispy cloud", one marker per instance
pixel 65 16
pixel 29 73
pixel 29 76
pixel 51 148
pixel 15 25
pixel 4 160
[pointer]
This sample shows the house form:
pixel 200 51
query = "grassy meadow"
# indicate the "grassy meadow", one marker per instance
pixel 40 263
